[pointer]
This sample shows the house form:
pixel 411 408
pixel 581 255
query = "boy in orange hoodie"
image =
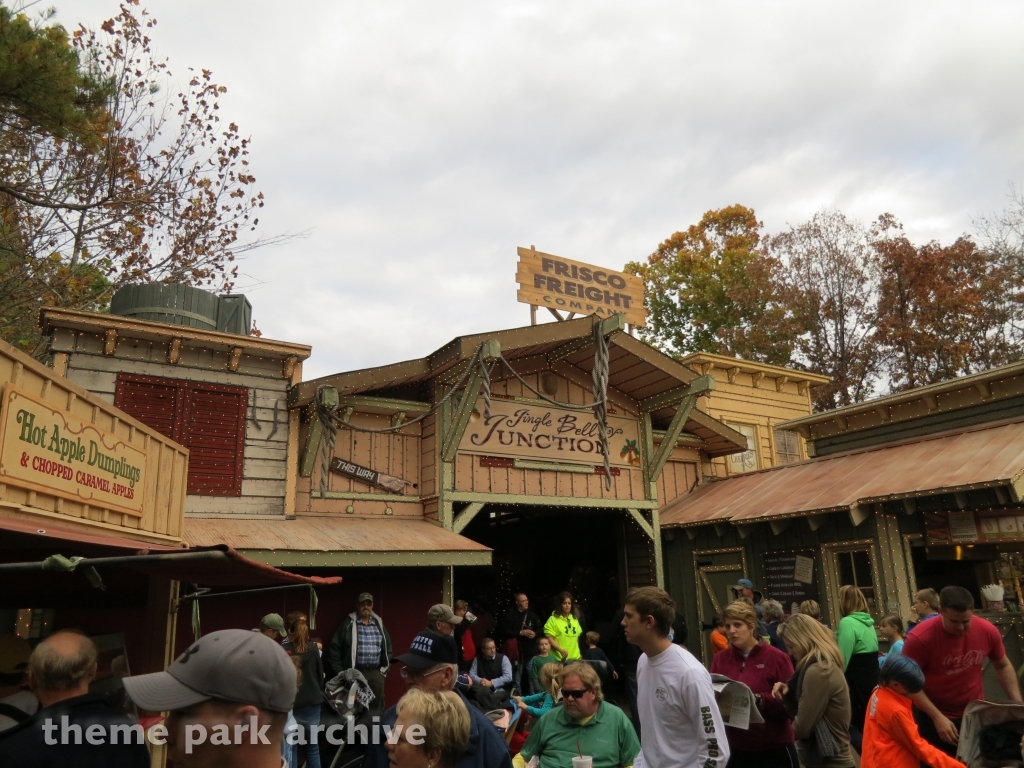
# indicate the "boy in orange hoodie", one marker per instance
pixel 891 739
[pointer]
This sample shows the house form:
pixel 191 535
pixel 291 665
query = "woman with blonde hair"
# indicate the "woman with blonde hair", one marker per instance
pixel 858 642
pixel 816 698
pixel 434 730
pixel 538 704
pixel 306 657
pixel 759 666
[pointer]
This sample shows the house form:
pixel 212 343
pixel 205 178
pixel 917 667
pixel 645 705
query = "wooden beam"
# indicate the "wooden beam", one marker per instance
pixel 575 502
pixel 745 529
pixel 909 506
pixel 814 522
pixel 668 444
pixel 778 526
pixel 961 499
pixel 460 418
pixel 382 405
pixel 698 387
pixel 555 312
pixel 721 529
pixel 642 522
pixel 691 533
pixel 859 513
pixel 315 435
pixel 465 517
pixel 1001 495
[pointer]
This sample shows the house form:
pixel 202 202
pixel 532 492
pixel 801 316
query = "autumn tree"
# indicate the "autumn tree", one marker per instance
pixel 166 194
pixel 830 267
pixel 941 309
pixel 714 288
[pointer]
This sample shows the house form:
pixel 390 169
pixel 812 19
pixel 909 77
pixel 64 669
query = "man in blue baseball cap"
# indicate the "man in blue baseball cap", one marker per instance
pixel 432 664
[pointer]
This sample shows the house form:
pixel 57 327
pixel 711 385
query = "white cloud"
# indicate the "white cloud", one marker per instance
pixel 422 142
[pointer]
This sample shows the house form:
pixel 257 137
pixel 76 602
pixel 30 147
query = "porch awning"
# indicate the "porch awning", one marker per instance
pixel 992 455
pixel 326 541
pixel 97 537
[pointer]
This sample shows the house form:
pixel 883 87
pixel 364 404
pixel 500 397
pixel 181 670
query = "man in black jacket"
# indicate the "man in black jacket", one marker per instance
pixel 71 727
pixel 524 626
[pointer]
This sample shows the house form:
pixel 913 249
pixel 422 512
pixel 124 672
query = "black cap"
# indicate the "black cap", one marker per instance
pixel 429 649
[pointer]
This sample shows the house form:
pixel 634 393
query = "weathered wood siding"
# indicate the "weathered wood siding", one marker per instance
pixel 757 403
pixel 396 454
pixel 680 474
pixel 265 464
pixel 470 476
pixel 166 469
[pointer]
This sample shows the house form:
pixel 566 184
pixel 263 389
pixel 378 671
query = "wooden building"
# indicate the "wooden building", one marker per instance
pixel 917 489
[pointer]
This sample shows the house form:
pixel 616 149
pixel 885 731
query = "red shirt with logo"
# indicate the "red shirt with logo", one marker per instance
pixel 952 664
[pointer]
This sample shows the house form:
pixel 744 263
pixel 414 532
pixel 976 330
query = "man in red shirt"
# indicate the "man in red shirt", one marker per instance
pixel 951 651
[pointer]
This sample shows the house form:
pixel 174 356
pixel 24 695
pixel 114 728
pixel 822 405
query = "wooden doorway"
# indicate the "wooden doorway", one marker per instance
pixel 715 573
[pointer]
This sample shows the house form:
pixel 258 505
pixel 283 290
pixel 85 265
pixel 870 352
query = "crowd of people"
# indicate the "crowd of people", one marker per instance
pixel 535 693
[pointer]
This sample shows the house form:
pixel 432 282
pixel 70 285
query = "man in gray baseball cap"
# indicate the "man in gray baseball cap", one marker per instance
pixel 441 618
pixel 228 696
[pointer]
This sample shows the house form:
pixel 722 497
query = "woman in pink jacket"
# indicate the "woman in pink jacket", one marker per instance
pixel 758 666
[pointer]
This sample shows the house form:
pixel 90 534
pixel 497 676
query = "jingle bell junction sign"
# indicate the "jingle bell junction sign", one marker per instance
pixel 572 286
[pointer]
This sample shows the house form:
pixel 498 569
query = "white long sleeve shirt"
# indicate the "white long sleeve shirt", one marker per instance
pixel 681 726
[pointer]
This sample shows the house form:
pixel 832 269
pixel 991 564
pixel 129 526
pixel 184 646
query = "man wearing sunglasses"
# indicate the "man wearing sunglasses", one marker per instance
pixel 584 723
pixel 431 664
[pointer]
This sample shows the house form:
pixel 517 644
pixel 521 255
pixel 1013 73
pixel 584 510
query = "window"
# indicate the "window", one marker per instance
pixel 208 419
pixel 855 568
pixel 787 447
pixel 746 461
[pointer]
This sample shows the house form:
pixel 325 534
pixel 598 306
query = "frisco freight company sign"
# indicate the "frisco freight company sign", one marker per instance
pixel 52 451
pixel 551 281
pixel 527 431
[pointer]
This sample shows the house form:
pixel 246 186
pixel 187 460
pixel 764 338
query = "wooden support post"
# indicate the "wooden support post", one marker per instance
pixel 460 418
pixel 533 314
pixel 447 585
pixel 315 435
pixel 859 513
pixel 642 522
pixel 465 517
pixel 745 530
pixel 814 522
pixel 668 443
pixel 659 560
pixel 647 455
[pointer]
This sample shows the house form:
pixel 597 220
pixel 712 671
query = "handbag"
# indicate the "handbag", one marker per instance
pixel 511 649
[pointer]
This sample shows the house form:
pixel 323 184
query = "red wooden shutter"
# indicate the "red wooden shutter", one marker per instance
pixel 208 419
pixel 216 439
pixel 157 403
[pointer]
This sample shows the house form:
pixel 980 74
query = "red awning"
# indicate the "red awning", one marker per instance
pixel 47 530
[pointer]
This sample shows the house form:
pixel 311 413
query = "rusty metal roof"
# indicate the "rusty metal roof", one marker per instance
pixel 987 456
pixel 367 539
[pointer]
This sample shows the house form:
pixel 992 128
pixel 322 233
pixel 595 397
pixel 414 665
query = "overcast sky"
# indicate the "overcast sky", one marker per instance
pixel 421 142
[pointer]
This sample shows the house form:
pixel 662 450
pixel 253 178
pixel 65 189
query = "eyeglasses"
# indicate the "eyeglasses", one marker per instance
pixel 567 694
pixel 415 674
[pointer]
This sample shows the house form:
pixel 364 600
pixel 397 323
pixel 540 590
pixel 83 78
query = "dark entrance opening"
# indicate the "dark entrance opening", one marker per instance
pixel 542 551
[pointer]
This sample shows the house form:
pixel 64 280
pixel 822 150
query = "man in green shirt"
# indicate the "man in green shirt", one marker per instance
pixel 584 722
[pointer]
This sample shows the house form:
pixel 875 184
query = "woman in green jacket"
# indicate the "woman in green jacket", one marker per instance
pixel 858 642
